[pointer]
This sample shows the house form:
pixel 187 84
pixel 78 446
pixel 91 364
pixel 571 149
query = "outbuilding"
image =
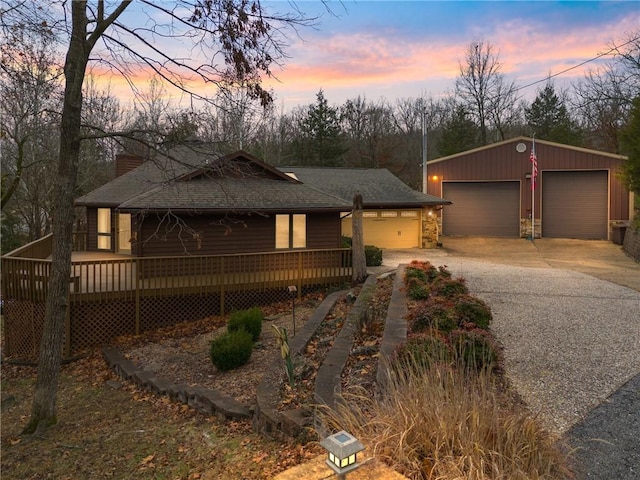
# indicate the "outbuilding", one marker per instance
pixel 577 192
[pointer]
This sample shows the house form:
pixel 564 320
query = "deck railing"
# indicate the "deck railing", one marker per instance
pixel 127 295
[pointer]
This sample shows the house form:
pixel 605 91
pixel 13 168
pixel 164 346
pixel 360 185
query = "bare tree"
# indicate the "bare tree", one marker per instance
pixel 30 91
pixel 484 90
pixel 603 98
pixel 240 32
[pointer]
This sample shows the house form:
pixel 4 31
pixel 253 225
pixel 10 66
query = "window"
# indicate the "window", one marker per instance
pixel 104 229
pixel 388 213
pixel 408 213
pixel 291 231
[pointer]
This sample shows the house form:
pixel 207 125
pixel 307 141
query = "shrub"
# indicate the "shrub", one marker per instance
pixel 471 309
pixel 475 348
pixel 423 350
pixel 422 270
pixel 373 255
pixel 417 289
pixel 444 286
pixel 231 350
pixel 434 314
pixel 248 320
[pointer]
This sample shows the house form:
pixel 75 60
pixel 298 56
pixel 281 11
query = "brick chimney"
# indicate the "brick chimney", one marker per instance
pixel 125 162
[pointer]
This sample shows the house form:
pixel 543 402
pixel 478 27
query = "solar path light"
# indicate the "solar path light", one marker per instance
pixel 342 449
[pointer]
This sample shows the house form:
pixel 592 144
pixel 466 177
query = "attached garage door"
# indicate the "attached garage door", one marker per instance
pixel 489 209
pixel 388 228
pixel 575 204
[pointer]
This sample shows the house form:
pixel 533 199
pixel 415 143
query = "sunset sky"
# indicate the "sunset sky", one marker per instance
pixel 401 49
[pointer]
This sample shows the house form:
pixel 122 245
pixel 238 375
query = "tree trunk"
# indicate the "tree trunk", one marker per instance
pixel 43 413
pixel 357 242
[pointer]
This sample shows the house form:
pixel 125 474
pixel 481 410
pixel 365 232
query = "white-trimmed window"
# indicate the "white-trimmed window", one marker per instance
pixel 291 231
pixel 369 214
pixel 104 229
pixel 389 213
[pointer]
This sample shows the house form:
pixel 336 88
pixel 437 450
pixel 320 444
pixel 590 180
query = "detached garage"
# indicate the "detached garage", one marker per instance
pixel 578 193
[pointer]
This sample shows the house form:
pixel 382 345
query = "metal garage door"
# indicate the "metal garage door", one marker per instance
pixel 575 204
pixel 489 209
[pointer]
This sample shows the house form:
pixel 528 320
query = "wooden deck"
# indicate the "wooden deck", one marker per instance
pixel 114 294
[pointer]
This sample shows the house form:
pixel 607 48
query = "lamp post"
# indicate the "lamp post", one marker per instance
pixel 342 448
pixel 292 291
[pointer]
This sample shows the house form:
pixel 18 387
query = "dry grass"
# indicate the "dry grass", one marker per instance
pixel 444 423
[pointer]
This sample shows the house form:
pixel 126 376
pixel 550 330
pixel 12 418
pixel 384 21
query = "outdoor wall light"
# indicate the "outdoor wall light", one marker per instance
pixel 435 178
pixel 342 450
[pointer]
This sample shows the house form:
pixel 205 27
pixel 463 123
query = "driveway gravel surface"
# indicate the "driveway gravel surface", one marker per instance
pixel 571 336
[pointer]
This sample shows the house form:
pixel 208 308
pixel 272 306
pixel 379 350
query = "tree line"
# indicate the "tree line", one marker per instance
pixel 484 107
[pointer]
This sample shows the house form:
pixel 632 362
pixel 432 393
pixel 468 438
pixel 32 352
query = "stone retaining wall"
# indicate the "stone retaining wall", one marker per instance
pixel 632 243
pixel 205 400
pixel 395 327
pixel 267 420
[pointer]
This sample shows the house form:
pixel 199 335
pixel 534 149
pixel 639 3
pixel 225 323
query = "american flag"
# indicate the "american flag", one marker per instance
pixel 534 167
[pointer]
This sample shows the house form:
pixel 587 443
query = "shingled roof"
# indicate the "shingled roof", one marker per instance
pixel 194 178
pixel 379 187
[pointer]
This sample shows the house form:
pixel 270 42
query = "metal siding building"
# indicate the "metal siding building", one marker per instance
pixel 578 193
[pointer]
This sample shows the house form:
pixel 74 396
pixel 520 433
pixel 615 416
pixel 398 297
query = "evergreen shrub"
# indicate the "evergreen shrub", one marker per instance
pixel 471 309
pixel 434 314
pixel 249 320
pixel 444 286
pixel 476 348
pixel 231 350
pixel 423 350
pixel 373 255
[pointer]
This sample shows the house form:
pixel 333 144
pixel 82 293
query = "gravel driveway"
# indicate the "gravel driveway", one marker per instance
pixel 571 342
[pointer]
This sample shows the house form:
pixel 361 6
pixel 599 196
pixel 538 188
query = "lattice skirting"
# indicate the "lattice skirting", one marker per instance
pixel 96 323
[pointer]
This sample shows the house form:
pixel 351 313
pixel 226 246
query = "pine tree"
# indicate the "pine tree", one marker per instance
pixel 549 119
pixel 324 139
pixel 630 139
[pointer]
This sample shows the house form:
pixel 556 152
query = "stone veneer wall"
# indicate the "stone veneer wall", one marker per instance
pixel 430 228
pixel 632 243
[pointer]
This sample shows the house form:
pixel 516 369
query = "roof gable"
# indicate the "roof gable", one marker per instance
pixel 189 178
pixel 527 141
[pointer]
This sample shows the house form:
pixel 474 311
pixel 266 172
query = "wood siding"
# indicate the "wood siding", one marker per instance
pixel 221 236
pixel 502 162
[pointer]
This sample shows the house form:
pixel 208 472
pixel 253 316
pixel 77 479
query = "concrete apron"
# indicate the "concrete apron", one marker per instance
pixel 599 258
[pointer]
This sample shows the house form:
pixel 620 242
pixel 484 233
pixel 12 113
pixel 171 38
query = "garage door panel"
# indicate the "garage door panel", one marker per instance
pixel 575 204
pixel 490 209
pixel 388 232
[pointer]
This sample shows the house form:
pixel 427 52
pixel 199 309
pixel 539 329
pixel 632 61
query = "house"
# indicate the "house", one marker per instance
pixel 578 193
pixel 192 201
pixel 394 215
pixel 189 234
